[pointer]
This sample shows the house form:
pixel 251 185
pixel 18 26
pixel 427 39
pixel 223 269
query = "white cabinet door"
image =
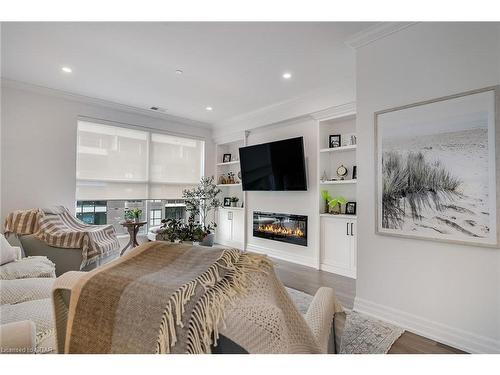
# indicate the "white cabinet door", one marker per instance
pixel 231 228
pixel 335 242
pixel 238 232
pixel 338 246
pixel 224 226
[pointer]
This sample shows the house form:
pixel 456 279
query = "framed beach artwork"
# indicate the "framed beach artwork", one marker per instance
pixel 436 169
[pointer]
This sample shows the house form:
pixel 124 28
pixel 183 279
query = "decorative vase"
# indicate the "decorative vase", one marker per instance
pixel 233 204
pixel 208 240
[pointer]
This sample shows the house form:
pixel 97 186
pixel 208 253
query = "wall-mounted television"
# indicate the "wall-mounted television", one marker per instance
pixel 274 166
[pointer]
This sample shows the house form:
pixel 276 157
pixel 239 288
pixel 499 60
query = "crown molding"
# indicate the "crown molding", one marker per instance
pixel 376 32
pixel 102 102
pixel 348 109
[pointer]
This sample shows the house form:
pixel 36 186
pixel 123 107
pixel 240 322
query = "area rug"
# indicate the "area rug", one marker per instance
pixel 362 335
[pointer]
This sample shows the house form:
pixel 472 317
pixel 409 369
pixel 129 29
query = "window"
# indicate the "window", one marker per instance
pixel 92 212
pixel 155 217
pixel 121 163
pixel 175 209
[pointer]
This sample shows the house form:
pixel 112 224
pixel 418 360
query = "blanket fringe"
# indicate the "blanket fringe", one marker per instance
pixel 208 312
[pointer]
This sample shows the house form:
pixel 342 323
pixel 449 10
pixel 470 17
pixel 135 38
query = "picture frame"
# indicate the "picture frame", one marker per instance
pixel 334 140
pixel 350 208
pixel 227 202
pixel 447 146
pixel 226 158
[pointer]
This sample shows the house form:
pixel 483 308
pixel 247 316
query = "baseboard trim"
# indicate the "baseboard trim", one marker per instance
pixel 338 270
pixel 304 261
pixel 442 333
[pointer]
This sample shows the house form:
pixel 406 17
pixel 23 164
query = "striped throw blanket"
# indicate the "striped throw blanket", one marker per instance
pixel 58 228
pixel 175 298
pixel 23 222
pixel 159 298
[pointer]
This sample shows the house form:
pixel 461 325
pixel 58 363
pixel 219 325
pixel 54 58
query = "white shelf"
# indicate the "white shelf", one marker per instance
pixel 340 182
pixel 232 208
pixel 338 216
pixel 338 149
pixel 228 163
pixel 226 185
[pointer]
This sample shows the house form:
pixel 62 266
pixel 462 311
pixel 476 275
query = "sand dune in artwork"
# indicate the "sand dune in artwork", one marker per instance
pixel 462 213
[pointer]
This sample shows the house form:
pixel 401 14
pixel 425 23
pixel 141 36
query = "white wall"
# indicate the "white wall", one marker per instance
pixel 445 291
pixel 289 202
pixel 38 146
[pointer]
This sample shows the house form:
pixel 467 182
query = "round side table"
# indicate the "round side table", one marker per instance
pixel 132 228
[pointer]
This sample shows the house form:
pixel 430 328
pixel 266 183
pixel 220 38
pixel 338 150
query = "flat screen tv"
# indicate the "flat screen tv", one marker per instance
pixel 275 166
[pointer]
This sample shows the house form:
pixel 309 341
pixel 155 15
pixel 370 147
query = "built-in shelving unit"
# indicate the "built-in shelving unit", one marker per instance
pixel 231 221
pixel 224 167
pixel 337 232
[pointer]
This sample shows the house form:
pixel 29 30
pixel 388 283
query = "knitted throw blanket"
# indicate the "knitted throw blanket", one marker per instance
pixel 159 298
pixel 58 228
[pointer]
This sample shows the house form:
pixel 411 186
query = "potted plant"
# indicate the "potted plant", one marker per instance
pixel 200 201
pixel 170 230
pixel 133 215
pixel 335 205
pixel 234 201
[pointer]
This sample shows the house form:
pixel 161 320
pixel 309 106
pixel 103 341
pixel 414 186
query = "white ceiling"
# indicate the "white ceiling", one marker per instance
pixel 235 68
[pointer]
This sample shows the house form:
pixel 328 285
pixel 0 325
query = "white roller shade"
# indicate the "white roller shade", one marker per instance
pixel 176 159
pixel 120 163
pixel 167 191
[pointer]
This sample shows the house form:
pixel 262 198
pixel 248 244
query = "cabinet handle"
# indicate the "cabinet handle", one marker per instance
pixel 352 231
pixel 347 230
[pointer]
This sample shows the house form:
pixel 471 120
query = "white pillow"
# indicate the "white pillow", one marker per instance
pixel 8 253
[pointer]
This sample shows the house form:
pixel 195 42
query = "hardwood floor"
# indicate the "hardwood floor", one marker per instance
pixel 308 280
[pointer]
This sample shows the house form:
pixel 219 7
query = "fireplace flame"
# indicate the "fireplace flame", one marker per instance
pixel 278 229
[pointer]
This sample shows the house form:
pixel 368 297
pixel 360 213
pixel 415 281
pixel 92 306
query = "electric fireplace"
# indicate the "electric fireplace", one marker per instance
pixel 280 227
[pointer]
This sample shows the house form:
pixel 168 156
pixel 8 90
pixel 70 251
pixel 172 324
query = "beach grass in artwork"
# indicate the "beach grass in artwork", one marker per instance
pixel 411 180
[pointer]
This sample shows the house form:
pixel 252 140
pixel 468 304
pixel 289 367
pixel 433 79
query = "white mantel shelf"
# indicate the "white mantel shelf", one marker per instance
pixel 338 149
pixel 231 208
pixel 229 163
pixel 340 182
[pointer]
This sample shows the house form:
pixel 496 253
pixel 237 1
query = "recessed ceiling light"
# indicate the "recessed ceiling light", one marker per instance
pixel 209 108
pixel 178 71
pixel 287 75
pixel 66 69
